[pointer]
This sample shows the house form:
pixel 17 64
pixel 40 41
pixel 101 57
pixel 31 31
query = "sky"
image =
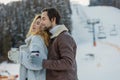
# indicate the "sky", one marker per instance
pixel 7 1
pixel 83 2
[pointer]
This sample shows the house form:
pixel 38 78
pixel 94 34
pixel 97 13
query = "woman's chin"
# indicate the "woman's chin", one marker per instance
pixel 33 31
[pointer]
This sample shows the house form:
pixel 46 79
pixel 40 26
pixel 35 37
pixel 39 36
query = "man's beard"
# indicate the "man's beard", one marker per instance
pixel 48 28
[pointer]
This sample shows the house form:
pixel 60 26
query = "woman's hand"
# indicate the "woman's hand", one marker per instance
pixel 37 60
pixel 13 55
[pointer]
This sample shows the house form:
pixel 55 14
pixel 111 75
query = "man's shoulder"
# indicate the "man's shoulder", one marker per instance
pixel 66 38
pixel 65 34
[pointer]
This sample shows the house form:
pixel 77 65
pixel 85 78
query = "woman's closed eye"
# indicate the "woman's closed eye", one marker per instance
pixel 38 23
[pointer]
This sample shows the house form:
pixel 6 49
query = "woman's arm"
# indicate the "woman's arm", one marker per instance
pixel 38 50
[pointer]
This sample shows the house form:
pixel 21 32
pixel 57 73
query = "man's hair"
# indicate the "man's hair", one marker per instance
pixel 52 13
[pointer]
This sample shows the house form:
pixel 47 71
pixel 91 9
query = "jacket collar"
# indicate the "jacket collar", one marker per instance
pixel 28 39
pixel 57 30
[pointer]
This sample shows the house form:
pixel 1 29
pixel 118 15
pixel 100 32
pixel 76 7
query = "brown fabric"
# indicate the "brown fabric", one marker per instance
pixel 61 63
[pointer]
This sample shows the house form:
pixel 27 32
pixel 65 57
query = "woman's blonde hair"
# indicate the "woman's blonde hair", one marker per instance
pixel 42 33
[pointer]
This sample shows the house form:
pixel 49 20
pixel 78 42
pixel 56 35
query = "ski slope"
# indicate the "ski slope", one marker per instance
pixel 101 62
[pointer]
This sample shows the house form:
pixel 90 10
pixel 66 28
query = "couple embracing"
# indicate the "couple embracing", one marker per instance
pixel 49 52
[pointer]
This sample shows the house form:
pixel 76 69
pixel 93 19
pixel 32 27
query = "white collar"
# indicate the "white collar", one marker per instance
pixel 54 29
pixel 28 39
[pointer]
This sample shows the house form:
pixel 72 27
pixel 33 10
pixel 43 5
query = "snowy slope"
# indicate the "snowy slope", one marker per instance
pixel 108 15
pixel 109 18
pixel 79 19
pixel 103 61
pixel 104 65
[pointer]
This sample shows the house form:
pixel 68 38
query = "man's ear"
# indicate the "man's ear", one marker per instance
pixel 53 19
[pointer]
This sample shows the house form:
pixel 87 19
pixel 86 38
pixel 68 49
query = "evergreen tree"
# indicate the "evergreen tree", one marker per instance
pixel 16 17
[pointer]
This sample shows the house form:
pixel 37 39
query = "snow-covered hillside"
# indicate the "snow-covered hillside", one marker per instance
pixel 94 63
pixel 107 16
pixel 103 61
pixel 109 20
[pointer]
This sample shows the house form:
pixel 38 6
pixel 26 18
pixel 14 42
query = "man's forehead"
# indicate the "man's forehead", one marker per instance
pixel 44 14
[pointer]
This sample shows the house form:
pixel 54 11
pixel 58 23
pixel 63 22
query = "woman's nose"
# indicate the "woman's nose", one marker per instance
pixel 34 25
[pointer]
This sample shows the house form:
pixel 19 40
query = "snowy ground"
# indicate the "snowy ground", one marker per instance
pixel 94 63
pixel 104 65
pixel 103 61
pixel 13 69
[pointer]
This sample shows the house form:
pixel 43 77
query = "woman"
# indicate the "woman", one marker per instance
pixel 36 46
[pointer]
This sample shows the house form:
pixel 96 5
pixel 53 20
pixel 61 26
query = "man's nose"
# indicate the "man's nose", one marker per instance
pixel 41 23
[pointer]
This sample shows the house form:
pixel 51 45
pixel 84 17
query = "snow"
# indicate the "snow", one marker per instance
pixel 106 14
pixel 13 69
pixel 103 66
pixel 100 62
pixel 82 2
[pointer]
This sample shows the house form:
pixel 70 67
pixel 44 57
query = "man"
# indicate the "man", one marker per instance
pixel 61 62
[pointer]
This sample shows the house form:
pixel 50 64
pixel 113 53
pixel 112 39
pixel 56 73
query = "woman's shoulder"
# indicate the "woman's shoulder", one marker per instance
pixel 37 38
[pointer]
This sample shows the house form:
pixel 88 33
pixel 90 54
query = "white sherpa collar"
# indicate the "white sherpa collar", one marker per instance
pixel 59 30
